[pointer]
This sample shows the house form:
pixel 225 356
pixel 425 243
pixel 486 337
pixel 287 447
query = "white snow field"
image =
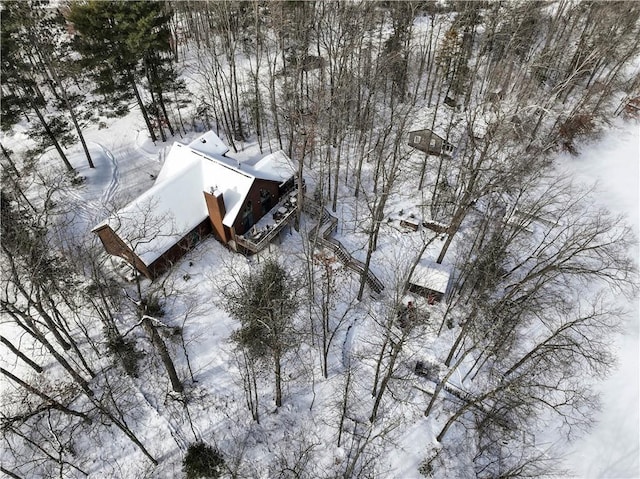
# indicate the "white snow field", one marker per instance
pixel 612 449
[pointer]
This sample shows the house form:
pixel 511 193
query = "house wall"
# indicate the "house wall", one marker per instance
pixel 178 250
pixel 425 141
pixel 436 148
pixel 287 186
pixel 431 295
pixel 256 206
pixel 114 245
pixel 215 206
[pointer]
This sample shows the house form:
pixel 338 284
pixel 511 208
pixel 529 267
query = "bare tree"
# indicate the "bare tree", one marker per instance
pixel 534 312
pixel 44 301
pixel 388 167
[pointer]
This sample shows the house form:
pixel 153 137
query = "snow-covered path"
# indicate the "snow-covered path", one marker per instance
pixel 107 196
pixel 119 158
pixel 87 207
pixel 612 449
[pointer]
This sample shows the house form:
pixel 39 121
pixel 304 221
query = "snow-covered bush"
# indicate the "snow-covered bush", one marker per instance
pixel 202 460
pixel 125 350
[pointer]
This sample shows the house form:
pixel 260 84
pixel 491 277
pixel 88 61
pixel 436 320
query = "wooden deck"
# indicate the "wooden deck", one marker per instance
pixel 261 235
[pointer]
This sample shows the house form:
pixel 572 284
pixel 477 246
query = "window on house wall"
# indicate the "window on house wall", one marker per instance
pixel 247 216
pixel 265 201
pixel 417 139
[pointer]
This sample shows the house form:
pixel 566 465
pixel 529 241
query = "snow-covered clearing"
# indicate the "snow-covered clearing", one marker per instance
pixel 216 409
pixel 612 449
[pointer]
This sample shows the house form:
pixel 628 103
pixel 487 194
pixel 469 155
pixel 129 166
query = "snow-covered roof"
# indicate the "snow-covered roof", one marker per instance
pixel 175 204
pixel 277 166
pixel 161 216
pixel 431 275
pixel 209 144
pixel 231 181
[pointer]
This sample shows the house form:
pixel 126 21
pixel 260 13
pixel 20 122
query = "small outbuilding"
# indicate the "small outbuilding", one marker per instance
pixel 430 280
pixel 430 143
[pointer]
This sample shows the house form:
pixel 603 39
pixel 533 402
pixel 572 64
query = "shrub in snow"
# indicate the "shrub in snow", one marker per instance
pixel 428 370
pixel 77 180
pixel 428 466
pixel 153 307
pixel 125 350
pixel 202 460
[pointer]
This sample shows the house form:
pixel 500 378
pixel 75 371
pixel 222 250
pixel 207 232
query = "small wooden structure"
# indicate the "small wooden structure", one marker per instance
pixel 430 280
pixel 430 143
pixel 409 224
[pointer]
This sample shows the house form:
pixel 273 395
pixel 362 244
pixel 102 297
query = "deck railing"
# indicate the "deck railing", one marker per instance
pixel 326 226
pixel 263 241
pixel 323 230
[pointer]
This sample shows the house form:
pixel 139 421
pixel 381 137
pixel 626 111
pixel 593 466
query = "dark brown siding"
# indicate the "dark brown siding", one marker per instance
pixel 178 250
pixel 425 141
pixel 256 207
pixel 112 242
pixel 114 245
pixel 431 295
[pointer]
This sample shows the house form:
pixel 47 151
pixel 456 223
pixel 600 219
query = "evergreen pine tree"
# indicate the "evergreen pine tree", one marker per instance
pixel 21 94
pixel 122 43
pixel 264 304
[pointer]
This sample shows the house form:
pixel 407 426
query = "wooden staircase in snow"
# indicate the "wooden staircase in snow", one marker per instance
pixel 324 230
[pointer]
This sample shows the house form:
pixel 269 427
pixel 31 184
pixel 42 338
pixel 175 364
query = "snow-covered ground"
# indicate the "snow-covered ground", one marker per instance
pixel 612 449
pixel 127 163
pixel 126 160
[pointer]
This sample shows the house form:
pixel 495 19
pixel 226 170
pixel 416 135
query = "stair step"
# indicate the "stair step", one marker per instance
pixel 335 245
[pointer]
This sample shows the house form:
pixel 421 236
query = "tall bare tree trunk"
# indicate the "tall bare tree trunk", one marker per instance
pixel 20 354
pixel 278 373
pixel 51 136
pixel 143 109
pixel 161 347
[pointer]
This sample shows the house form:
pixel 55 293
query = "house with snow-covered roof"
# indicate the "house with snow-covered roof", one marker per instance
pixel 429 142
pixel 199 191
pixel 430 280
